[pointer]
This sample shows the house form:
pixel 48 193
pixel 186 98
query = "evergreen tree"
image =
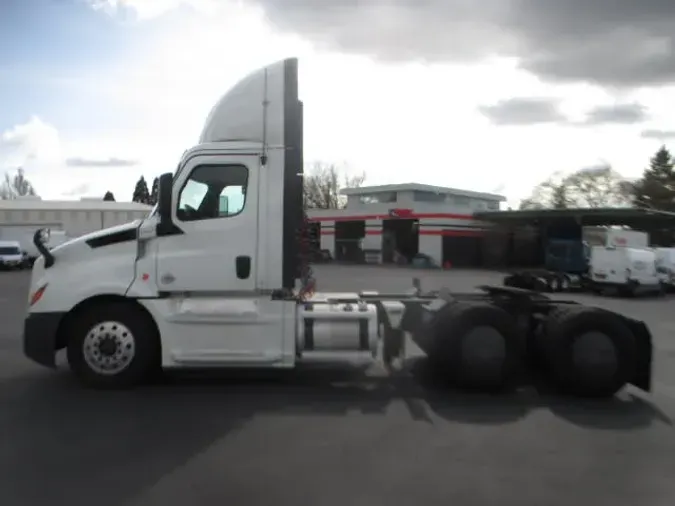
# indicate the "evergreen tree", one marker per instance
pixel 154 193
pixel 141 192
pixel 109 197
pixel 656 188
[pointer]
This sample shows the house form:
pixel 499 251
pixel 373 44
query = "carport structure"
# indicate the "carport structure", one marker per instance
pixel 518 237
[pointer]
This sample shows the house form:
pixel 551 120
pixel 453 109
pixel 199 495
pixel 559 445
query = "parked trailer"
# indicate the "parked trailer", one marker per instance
pixel 543 280
pixel 566 268
pixel 202 284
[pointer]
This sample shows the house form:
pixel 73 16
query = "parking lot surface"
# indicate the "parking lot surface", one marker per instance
pixel 330 437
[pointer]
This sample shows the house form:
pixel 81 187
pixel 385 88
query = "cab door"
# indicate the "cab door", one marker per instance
pixel 206 269
pixel 213 247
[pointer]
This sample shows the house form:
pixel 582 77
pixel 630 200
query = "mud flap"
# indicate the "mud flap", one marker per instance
pixel 575 367
pixel 642 378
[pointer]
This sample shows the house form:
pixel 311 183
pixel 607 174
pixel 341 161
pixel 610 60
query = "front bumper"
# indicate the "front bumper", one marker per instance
pixel 39 337
pixel 10 264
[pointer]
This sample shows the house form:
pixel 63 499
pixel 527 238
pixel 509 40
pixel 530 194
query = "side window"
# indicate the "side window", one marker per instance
pixel 213 191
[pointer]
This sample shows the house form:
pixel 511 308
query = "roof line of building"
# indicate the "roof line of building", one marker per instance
pixel 422 187
pixel 598 215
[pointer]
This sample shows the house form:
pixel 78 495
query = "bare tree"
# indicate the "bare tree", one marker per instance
pixel 322 185
pixel 592 187
pixel 597 187
pixel 551 194
pixel 16 186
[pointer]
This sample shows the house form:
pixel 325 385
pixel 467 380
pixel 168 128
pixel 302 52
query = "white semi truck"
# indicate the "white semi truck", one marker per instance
pixel 213 282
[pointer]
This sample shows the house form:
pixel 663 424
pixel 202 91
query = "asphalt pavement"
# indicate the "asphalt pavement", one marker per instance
pixel 329 437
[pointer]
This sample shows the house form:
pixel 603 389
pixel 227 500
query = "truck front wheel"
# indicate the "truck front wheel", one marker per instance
pixel 113 345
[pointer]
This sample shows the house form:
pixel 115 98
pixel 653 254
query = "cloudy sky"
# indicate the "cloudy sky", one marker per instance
pixel 492 95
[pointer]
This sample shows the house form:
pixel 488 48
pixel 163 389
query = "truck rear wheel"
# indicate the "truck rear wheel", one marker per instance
pixel 590 351
pixel 113 345
pixel 475 344
pixel 562 283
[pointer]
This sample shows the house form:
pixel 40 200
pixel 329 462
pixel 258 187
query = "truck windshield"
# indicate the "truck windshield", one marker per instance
pixel 9 250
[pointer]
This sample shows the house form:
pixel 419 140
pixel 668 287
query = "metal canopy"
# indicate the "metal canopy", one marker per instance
pixel 635 218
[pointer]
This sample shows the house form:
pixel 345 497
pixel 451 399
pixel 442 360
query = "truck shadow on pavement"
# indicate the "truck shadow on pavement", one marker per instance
pixel 105 448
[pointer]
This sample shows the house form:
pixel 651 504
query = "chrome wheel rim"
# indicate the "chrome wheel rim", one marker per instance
pixel 109 348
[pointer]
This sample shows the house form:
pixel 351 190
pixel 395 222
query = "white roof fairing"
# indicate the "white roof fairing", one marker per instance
pixel 241 115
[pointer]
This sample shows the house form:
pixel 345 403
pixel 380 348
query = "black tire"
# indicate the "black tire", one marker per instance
pixel 146 358
pixel 557 283
pixel 563 330
pixel 457 351
pixel 564 283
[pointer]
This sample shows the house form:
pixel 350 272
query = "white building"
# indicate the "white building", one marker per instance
pixel 408 218
pixel 74 217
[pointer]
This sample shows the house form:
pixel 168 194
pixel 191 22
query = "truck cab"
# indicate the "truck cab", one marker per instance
pixel 206 278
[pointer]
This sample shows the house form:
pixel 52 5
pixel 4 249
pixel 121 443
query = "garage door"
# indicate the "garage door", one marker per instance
pixel 462 251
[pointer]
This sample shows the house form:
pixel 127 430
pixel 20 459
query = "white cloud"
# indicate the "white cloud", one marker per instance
pixel 399 123
pixel 147 9
pixel 47 158
pixel 32 141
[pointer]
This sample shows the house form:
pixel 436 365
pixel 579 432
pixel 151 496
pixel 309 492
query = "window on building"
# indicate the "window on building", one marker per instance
pixel 378 198
pixel 213 191
pixel 433 197
pixel 493 205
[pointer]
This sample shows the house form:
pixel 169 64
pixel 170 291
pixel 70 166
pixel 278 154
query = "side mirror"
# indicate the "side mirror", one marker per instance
pixel 44 235
pixel 164 206
pixel 164 197
pixel 40 238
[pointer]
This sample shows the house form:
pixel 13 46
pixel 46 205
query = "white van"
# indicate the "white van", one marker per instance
pixel 11 256
pixel 665 266
pixel 622 238
pixel 628 270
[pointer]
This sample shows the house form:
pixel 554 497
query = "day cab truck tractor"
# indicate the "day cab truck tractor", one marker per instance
pixel 212 282
pixel 566 264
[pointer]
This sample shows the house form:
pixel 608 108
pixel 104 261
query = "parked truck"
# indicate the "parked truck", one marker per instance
pixel 201 284
pixel 566 265
pixel 569 265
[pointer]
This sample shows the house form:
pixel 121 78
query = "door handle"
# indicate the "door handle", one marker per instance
pixel 243 266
